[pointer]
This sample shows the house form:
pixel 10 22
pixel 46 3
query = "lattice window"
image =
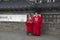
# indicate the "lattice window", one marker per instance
pixel 51 18
pixel 50 1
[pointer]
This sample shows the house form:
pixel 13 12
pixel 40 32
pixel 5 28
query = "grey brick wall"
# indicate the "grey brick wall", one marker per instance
pixel 51 29
pixel 48 27
pixel 12 26
pixel 51 23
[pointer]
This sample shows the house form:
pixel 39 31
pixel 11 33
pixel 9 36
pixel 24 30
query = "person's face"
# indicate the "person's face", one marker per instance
pixel 29 16
pixel 36 13
pixel 40 14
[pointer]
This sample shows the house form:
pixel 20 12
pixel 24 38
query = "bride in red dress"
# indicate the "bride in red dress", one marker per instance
pixel 37 24
pixel 29 25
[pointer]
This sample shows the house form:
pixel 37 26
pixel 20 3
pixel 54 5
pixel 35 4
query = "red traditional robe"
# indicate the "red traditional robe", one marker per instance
pixel 29 25
pixel 37 24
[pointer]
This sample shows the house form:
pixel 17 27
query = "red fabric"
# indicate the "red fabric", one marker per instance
pixel 37 24
pixel 29 25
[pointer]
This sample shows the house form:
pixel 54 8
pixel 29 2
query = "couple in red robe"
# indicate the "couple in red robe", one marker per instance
pixel 34 25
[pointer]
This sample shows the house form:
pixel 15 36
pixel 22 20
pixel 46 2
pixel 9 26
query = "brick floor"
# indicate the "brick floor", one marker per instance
pixel 23 36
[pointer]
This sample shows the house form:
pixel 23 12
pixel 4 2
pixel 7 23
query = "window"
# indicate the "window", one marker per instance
pixel 36 1
pixel 40 1
pixel 53 0
pixel 50 1
pixel 50 18
pixel 58 18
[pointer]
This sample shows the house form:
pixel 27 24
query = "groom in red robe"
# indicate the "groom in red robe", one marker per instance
pixel 37 24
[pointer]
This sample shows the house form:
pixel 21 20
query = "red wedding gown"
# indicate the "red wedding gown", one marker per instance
pixel 37 24
pixel 29 25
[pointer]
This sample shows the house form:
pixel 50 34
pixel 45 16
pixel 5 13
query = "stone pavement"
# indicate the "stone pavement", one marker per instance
pixel 23 36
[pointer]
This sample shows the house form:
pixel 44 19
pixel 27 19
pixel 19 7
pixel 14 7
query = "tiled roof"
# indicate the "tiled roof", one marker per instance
pixel 48 5
pixel 25 4
pixel 17 4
